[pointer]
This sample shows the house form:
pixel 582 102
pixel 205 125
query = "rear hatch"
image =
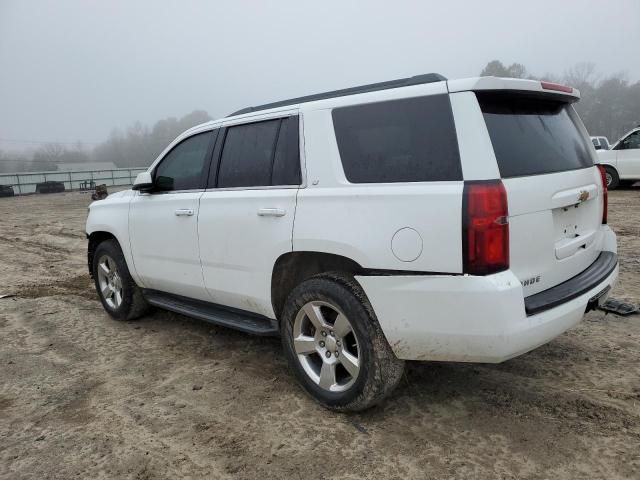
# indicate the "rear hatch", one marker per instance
pixel 553 188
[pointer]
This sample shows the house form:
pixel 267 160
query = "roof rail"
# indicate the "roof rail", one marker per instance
pixel 372 87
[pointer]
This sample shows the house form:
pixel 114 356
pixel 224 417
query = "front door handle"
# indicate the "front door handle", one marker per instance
pixel 184 212
pixel 271 212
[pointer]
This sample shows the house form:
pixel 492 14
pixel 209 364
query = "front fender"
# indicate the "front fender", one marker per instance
pixel 112 216
pixel 607 157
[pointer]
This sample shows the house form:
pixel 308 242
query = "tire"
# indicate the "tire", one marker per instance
pixel 123 299
pixel 331 299
pixel 613 181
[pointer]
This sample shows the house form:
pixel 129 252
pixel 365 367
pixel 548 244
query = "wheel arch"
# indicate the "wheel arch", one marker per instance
pixel 614 170
pixel 293 268
pixel 95 239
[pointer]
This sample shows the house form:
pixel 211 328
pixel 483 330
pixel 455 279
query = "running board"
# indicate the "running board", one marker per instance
pixel 247 322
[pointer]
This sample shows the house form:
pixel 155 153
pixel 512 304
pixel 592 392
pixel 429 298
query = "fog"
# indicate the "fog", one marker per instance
pixel 73 70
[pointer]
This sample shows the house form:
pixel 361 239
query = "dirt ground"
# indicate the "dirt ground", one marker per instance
pixel 82 396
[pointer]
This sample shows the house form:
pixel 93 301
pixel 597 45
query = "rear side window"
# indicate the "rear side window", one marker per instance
pixel 532 135
pixel 286 162
pixel 261 154
pixel 247 154
pixel 408 140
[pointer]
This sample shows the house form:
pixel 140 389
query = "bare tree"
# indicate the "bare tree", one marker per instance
pixel 581 75
pixel 51 152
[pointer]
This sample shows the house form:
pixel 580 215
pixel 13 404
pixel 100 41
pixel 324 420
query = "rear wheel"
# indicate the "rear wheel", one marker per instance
pixel 612 178
pixel 118 292
pixel 335 346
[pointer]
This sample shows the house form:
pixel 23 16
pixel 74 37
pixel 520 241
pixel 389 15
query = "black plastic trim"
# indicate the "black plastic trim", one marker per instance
pixel 210 152
pixel 212 179
pixel 372 87
pixel 235 318
pixel 597 272
pixel 380 272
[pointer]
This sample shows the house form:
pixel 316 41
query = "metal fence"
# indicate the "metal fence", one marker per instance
pixel 23 183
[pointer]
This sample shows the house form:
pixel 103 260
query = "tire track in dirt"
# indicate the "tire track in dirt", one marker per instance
pixel 79 285
pixel 35 247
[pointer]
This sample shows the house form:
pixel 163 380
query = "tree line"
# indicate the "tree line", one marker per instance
pixel 609 106
pixel 137 146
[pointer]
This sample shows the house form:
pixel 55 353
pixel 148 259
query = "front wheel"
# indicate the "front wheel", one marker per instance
pixel 335 346
pixel 118 292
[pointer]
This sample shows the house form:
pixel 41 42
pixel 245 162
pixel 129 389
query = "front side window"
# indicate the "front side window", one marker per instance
pixel 631 142
pixel 261 154
pixel 408 140
pixel 182 168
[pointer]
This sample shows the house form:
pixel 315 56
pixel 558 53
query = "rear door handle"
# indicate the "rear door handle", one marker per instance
pixel 271 212
pixel 184 212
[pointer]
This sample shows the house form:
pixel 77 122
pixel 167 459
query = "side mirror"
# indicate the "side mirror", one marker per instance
pixel 143 183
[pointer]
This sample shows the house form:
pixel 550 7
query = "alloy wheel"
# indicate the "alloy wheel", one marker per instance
pixel 110 282
pixel 326 346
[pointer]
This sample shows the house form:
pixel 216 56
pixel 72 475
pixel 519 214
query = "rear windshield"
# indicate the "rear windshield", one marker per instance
pixel 532 135
pixel 408 140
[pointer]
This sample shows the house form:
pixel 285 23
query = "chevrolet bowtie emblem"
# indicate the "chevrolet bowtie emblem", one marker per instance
pixel 583 195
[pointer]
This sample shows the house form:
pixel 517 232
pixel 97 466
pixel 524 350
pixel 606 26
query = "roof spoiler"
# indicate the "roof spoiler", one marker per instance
pixel 562 92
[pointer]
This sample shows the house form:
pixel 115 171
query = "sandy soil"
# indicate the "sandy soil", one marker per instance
pixel 82 396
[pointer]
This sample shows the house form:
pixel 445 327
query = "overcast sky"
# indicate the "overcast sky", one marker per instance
pixel 73 70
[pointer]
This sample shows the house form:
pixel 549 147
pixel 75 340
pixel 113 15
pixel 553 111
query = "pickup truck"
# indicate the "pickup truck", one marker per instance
pixel 622 162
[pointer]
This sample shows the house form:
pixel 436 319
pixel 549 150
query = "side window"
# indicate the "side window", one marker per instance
pixel 631 142
pixel 183 167
pixel 286 163
pixel 261 154
pixel 408 140
pixel 247 154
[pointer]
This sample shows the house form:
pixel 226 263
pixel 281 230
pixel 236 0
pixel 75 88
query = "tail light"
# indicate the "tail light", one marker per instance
pixel 605 194
pixel 485 227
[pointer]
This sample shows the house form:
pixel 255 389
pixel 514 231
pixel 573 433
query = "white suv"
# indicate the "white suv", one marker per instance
pixel 417 219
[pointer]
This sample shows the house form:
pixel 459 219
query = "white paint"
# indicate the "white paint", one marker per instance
pixel 466 318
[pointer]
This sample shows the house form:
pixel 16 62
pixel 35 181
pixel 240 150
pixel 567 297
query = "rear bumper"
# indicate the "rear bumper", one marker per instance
pixel 474 319
pixel 597 272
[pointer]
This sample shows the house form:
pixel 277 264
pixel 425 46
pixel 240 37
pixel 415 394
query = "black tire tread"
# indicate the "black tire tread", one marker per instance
pixel 134 305
pixel 615 179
